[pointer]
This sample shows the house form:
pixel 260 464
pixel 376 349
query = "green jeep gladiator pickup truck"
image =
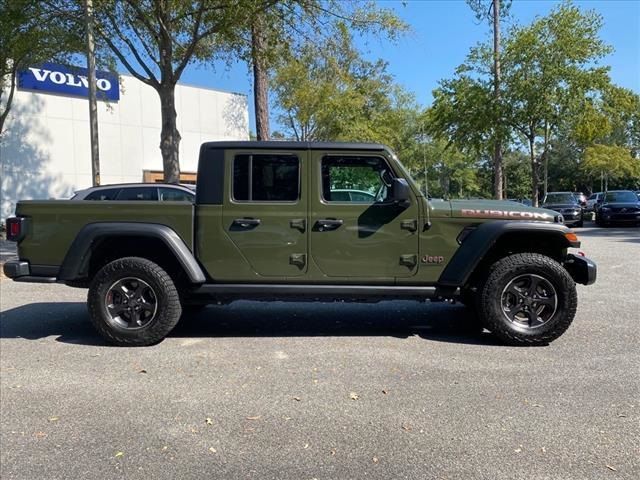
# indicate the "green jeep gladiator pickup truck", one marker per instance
pixel 302 221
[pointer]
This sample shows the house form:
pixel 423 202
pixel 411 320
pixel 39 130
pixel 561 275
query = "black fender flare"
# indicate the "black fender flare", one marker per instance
pixel 76 262
pixel 483 237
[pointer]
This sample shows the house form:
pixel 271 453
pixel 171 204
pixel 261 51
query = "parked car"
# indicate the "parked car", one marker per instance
pixel 567 204
pixel 618 206
pixel 267 228
pixel 138 191
pixel 593 201
pixel 354 196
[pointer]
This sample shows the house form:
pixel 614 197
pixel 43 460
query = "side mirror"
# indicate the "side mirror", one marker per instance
pixel 401 191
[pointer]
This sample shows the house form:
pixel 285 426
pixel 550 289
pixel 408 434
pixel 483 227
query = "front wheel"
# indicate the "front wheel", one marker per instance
pixel 133 302
pixel 528 299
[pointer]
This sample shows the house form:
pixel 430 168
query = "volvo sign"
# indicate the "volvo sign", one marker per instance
pixel 53 78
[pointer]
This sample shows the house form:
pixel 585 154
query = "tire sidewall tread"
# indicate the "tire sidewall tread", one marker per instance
pixel 167 297
pixel 503 271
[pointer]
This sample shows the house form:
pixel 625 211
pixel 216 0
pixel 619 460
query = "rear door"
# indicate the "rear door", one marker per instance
pixel 365 234
pixel 265 210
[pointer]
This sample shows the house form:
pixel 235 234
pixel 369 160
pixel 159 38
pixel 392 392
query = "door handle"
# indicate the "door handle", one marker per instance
pixel 246 222
pixel 328 224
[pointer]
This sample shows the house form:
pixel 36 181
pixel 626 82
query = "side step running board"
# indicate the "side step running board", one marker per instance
pixel 253 291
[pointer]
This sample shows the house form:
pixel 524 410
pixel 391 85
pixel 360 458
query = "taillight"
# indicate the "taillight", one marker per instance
pixel 15 228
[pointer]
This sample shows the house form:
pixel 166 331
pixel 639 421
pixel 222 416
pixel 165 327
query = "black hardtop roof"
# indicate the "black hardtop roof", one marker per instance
pixel 253 145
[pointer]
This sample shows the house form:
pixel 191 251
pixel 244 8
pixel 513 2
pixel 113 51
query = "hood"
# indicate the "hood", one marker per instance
pixel 490 209
pixel 620 204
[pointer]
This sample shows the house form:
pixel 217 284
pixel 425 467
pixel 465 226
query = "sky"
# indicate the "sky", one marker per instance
pixel 442 31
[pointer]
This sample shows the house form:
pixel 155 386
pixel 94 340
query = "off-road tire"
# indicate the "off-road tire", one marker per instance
pixel 509 268
pixel 168 308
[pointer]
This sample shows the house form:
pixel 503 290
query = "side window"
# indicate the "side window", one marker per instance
pixel 107 194
pixel 139 193
pixel 175 195
pixel 355 179
pixel 266 178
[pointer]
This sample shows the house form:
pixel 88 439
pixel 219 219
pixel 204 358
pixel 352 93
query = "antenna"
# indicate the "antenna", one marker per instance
pixel 423 137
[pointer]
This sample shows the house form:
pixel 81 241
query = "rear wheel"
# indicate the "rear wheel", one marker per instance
pixel 133 302
pixel 528 299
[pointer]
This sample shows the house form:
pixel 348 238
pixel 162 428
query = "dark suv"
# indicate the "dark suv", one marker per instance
pixel 566 204
pixel 618 206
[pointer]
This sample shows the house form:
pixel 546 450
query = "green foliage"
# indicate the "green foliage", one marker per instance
pixel 550 77
pixel 31 33
pixel 329 92
pixel 614 161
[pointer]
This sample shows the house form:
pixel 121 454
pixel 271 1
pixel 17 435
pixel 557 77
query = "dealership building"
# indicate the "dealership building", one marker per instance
pixel 45 147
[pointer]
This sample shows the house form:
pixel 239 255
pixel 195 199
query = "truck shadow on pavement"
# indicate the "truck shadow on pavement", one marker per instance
pixel 440 322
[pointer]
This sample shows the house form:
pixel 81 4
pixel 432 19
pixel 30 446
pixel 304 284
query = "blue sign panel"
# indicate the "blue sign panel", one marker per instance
pixel 53 78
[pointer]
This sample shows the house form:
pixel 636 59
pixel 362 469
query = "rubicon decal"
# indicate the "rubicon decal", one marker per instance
pixel 469 212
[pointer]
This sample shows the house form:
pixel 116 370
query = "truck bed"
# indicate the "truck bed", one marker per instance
pixel 54 224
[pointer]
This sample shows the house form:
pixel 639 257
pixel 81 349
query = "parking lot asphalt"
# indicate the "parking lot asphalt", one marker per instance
pixel 325 391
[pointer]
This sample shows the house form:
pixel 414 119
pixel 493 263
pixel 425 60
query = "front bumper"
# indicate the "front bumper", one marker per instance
pixel 21 271
pixel 633 217
pixel 582 269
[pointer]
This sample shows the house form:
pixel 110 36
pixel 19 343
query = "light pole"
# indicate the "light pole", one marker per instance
pixel 93 103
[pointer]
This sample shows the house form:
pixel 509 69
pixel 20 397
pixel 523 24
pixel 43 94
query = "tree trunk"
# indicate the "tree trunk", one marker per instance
pixel 7 107
pixel 497 154
pixel 260 80
pixel 169 136
pixel 534 172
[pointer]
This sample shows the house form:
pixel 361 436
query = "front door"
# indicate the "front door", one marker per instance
pixel 265 210
pixel 356 228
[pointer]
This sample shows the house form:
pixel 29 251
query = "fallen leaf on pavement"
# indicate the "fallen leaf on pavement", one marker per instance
pixel 375 459
pixel 613 469
pixel 254 418
pixel 119 454
pixel 208 421
pixel 142 371
pixel 212 450
pixel 297 399
pixel 384 392
pixel 53 419
pixel 354 396
pixel 39 434
pixel 518 450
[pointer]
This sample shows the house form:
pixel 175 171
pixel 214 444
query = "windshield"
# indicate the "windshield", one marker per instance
pixel 621 197
pixel 560 198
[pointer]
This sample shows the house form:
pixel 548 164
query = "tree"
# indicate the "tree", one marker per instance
pixel 329 92
pixel 552 63
pixel 30 33
pixel 285 27
pixel 156 40
pixel 494 13
pixel 547 67
pixel 611 162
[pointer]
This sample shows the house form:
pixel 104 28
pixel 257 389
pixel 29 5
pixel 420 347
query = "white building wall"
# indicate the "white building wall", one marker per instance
pixel 45 151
